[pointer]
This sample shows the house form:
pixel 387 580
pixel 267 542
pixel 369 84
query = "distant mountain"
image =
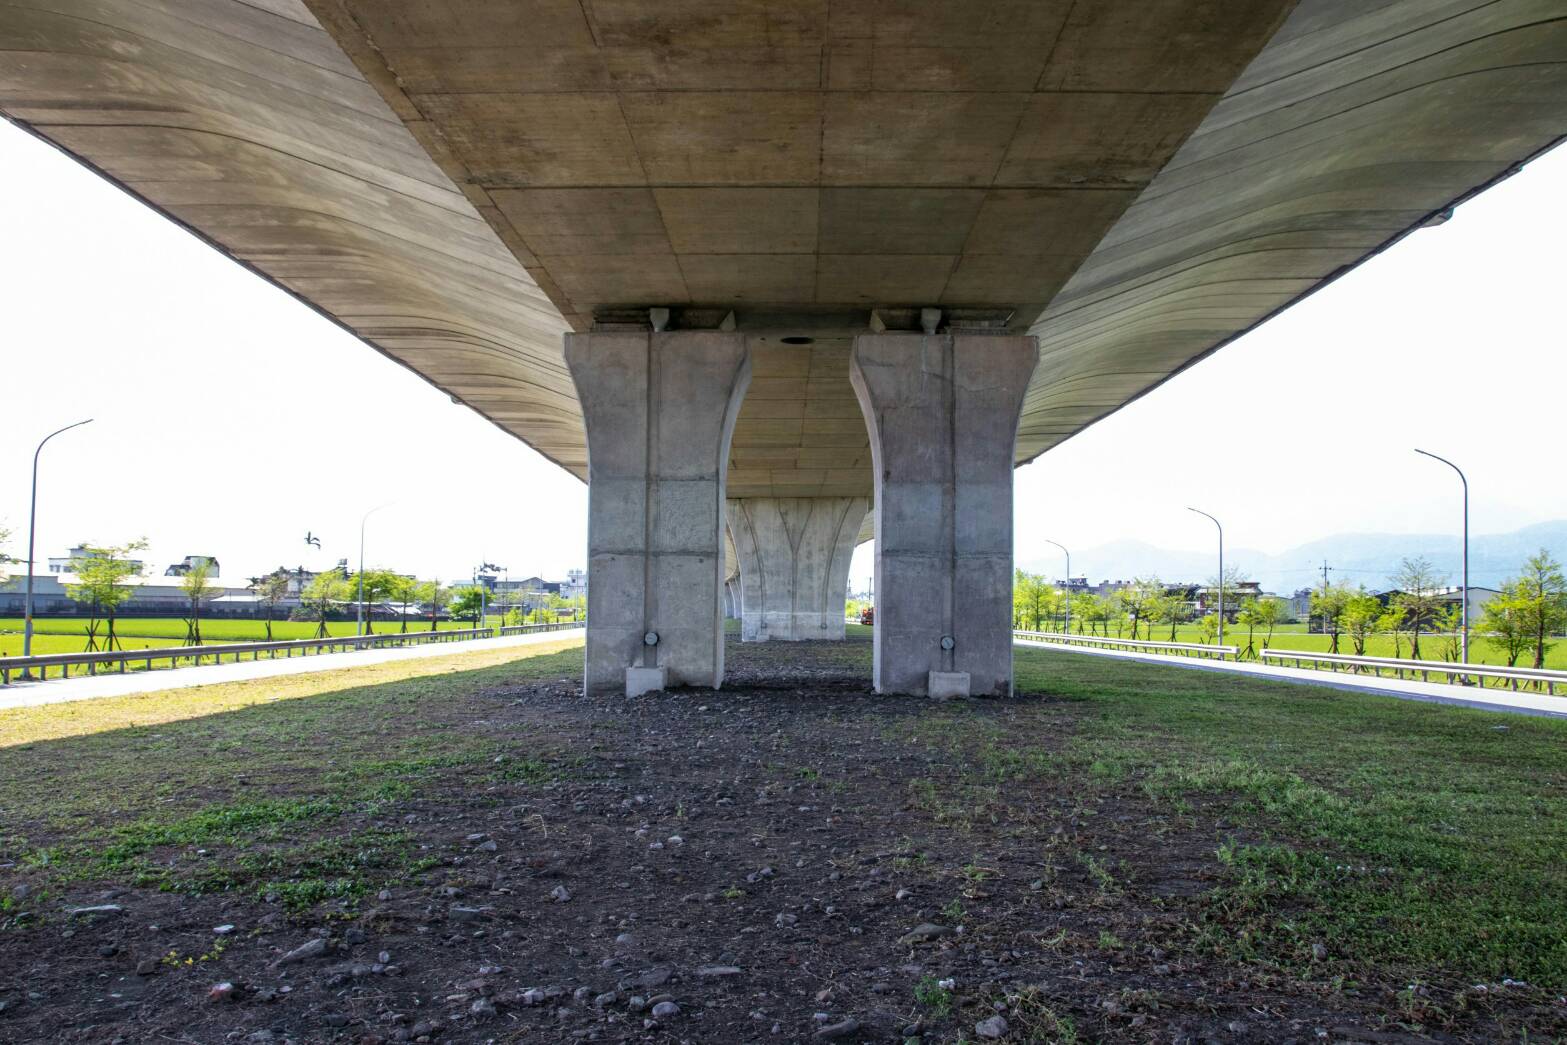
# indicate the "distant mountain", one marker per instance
pixel 1359 558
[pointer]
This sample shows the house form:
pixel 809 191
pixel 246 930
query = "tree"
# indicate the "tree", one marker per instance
pixel 1542 600
pixel 1270 612
pixel 1450 623
pixel 1359 617
pixel 100 582
pixel 1139 600
pixel 468 601
pixel 270 590
pixel 5 536
pixel 1169 609
pixel 1417 582
pixel 1208 628
pixel 1084 606
pixel 1248 617
pixel 404 590
pixel 379 586
pixel 1504 623
pixel 434 595
pixel 1229 586
pixel 1031 599
pixel 1327 605
pixel 197 585
pixel 1391 622
pixel 321 594
pixel 1022 580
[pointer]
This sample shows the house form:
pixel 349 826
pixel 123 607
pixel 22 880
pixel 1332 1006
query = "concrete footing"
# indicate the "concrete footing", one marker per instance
pixel 794 564
pixel 942 411
pixel 947 685
pixel 659 409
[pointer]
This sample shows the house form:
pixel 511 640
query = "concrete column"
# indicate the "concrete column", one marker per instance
pixel 732 598
pixel 659 410
pixel 942 411
pixel 794 564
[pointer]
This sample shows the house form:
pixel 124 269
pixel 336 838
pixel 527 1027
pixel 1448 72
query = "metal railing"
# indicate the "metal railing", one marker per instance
pixel 118 660
pixel 1395 667
pixel 528 629
pixel 1192 649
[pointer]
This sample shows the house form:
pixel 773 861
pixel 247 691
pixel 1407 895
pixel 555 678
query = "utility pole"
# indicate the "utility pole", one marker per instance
pixel 1325 569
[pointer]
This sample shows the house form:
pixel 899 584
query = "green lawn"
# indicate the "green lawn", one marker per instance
pixel 1424 838
pixel 68 635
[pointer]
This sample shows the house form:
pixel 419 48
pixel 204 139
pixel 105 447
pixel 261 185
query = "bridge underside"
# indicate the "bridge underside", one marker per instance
pixel 1131 183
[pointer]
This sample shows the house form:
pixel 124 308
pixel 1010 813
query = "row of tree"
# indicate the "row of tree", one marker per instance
pixel 103 585
pixel 1520 619
pixel 1138 608
pixel 1523 615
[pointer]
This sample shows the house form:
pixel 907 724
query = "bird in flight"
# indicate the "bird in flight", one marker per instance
pixel 311 538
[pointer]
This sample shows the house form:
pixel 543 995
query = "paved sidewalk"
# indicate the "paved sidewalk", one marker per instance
pixel 1430 692
pixel 90 687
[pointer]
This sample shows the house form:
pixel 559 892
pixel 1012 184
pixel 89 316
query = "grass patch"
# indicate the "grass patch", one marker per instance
pixel 1405 835
pixel 288 789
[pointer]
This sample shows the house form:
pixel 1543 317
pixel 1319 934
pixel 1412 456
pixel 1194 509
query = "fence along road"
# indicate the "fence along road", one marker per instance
pixel 115 684
pixel 1525 702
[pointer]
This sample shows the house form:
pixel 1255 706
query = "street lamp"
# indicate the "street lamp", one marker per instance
pixel 1463 638
pixel 1068 554
pixel 32 524
pixel 359 620
pixel 1199 511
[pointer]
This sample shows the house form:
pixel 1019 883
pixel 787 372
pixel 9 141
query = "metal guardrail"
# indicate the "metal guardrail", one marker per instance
pixel 528 629
pixel 1423 668
pixel 1132 645
pixel 119 659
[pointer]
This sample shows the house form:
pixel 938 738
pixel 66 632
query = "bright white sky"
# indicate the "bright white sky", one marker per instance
pixel 230 419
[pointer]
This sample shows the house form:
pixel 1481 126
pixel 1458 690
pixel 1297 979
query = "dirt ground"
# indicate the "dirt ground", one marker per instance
pixel 790 859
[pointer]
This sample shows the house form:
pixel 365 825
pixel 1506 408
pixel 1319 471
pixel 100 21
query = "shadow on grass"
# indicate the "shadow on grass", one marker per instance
pixel 292 800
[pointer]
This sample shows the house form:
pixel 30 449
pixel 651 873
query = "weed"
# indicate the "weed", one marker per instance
pixel 935 999
pixel 1035 1022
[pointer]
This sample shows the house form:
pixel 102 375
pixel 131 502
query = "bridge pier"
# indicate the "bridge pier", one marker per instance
pixel 794 564
pixel 942 412
pixel 659 410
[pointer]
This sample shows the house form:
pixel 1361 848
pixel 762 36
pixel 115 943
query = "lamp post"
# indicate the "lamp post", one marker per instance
pixel 359 619
pixel 32 525
pixel 1463 638
pixel 1199 511
pixel 1068 555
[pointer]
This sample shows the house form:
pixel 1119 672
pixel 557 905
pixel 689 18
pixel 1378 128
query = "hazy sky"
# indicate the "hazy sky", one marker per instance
pixel 230 419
